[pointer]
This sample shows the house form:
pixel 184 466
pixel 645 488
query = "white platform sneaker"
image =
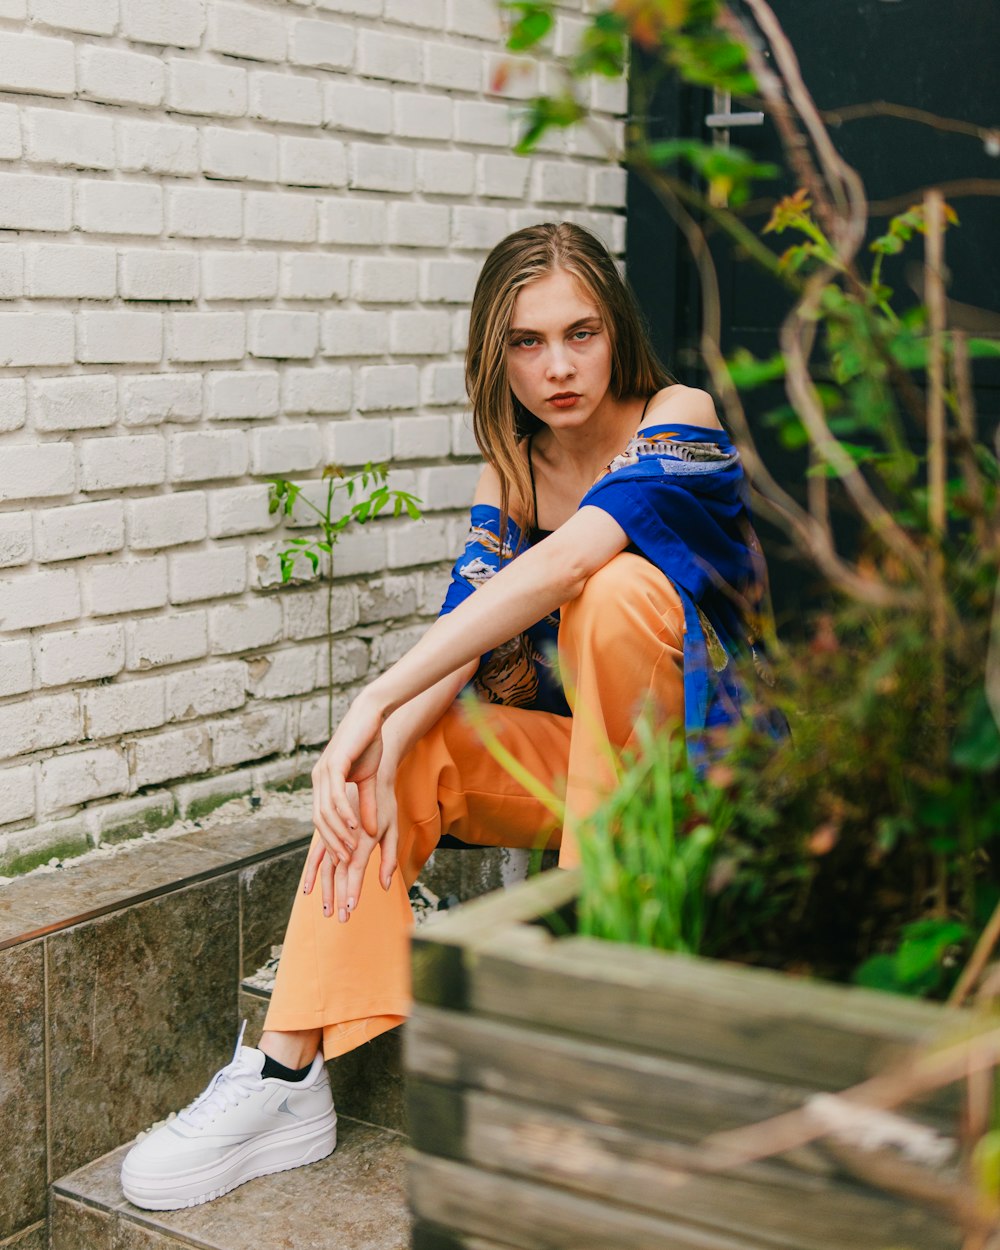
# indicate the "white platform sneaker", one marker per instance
pixel 242 1126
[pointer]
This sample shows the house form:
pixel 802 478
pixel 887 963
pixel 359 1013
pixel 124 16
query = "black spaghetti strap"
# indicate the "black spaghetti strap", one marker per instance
pixel 531 470
pixel 644 407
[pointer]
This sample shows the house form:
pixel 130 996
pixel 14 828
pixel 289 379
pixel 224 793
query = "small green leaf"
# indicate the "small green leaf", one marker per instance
pixel 748 372
pixel 923 947
pixel 545 112
pixel 878 973
pixel 534 22
pixel 983 347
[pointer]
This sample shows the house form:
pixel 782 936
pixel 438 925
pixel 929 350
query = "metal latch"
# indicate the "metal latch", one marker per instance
pixel 720 122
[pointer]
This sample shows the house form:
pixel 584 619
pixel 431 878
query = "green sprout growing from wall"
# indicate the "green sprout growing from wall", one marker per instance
pixel 351 499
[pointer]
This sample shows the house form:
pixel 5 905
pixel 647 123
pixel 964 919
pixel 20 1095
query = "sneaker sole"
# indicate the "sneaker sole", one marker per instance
pixel 279 1151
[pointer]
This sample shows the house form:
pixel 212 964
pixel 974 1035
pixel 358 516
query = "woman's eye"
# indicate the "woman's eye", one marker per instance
pixel 581 335
pixel 526 342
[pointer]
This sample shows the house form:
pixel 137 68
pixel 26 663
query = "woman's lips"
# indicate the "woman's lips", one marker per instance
pixel 566 400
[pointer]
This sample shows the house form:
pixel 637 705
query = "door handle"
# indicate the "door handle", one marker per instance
pixel 720 122
pixel 724 120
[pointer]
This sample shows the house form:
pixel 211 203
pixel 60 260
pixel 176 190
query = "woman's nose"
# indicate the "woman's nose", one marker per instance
pixel 559 364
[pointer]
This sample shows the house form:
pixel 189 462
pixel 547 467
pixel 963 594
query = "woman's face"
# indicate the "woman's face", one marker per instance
pixel 558 350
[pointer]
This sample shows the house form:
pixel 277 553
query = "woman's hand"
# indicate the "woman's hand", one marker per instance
pixel 342 881
pixel 352 755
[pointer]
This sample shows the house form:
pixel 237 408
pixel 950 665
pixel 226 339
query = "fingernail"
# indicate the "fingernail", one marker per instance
pixel 343 916
pixel 326 909
pixel 350 904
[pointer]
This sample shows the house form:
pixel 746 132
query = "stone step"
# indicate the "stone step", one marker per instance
pixel 356 1198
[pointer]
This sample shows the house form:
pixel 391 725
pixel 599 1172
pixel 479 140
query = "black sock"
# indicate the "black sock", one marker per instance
pixel 273 1068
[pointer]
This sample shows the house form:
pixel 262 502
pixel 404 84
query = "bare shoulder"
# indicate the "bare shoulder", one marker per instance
pixel 488 489
pixel 684 403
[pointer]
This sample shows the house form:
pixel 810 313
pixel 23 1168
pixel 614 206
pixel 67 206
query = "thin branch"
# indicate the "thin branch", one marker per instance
pixel 973 970
pixel 885 108
pixel 965 438
pixel 847 229
pixel 923 1073
pixel 776 104
pixel 957 189
pixel 812 536
pixel 796 337
pixel 934 288
pixel 993 659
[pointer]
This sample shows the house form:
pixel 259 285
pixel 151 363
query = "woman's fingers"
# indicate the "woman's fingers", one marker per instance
pixel 326 873
pixel 351 877
pixel 327 816
pixel 340 891
pixel 368 804
pixel 317 853
pixel 388 849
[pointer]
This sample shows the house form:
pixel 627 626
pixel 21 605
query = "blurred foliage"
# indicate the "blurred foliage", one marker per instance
pixel 653 891
pixel 866 845
pixel 855 851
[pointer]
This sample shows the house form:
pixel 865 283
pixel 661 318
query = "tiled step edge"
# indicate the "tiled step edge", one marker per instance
pixel 38 905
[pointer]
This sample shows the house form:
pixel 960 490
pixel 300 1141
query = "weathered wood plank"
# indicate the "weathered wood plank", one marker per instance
pixel 427 1236
pixel 482 918
pixel 775 1028
pixel 605 1084
pixel 626 1168
pixel 530 1216
pixel 748 1019
pixel 443 949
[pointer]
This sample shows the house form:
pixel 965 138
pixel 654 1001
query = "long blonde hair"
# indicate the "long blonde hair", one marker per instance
pixel 499 419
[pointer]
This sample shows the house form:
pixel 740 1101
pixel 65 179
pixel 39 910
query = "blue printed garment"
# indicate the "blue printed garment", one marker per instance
pixel 679 493
pixel 521 672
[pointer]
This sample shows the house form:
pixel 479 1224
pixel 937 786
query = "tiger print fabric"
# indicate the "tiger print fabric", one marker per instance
pixel 521 672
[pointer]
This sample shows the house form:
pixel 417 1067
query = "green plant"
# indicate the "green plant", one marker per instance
pixel 364 494
pixel 648 853
pixel 872 833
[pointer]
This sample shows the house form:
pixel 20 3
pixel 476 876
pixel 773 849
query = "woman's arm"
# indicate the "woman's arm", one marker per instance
pixel 540 580
pixel 410 722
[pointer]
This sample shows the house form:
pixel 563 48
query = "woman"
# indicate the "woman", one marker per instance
pixel 635 579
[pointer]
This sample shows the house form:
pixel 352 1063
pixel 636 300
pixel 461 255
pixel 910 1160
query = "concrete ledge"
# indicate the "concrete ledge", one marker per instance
pixel 34 906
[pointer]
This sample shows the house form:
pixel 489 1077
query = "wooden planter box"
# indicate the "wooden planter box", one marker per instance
pixel 558 1087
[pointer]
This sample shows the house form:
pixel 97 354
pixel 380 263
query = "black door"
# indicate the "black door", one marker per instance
pixel 940 58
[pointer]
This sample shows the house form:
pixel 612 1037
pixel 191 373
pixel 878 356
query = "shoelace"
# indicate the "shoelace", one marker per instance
pixel 229 1086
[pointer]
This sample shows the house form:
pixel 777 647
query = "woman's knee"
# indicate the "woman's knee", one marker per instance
pixel 624 595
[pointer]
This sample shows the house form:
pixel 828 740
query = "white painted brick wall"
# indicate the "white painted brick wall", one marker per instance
pixel 246 237
pixel 76 655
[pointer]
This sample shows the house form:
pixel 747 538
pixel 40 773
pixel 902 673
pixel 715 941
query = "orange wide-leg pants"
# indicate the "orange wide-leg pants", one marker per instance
pixel 620 653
